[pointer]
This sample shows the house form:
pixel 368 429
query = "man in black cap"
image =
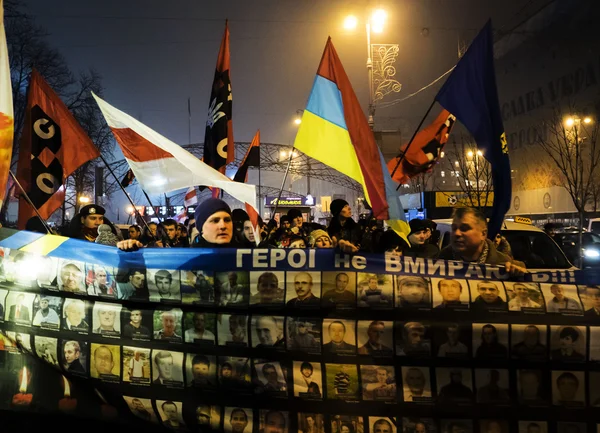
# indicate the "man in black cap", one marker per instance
pixel 342 226
pixel 84 225
pixel 419 247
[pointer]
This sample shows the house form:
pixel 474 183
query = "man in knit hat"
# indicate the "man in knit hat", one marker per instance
pixel 419 233
pixel 344 231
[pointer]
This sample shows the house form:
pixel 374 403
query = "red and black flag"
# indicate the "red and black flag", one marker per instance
pixel 218 137
pixel 252 159
pixel 128 178
pixel 53 145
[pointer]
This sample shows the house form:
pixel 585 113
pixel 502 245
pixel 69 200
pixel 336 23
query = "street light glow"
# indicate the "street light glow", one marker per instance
pixel 456 163
pixel 587 120
pixel 283 153
pixel 378 20
pixel 84 199
pixel 297 121
pixel 442 154
pixel 129 209
pixel 350 22
pixel 470 154
pixel 569 122
pixel 479 153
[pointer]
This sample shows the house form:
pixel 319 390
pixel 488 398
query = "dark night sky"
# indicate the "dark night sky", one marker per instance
pixel 153 54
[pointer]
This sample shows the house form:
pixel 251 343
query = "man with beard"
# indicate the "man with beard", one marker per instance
pixel 201 371
pixel 72 351
pixel 164 284
pixel 312 388
pixel 374 345
pixel 339 295
pixel 530 348
pixel 413 292
pixel 303 340
pixel 455 391
pixel 134 328
pixel 199 331
pixel 169 326
pixel 45 315
pixel 268 289
pixel 305 298
pixel 488 298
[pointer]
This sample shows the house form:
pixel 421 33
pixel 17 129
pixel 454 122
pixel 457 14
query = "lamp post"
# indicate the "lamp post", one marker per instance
pixel 380 70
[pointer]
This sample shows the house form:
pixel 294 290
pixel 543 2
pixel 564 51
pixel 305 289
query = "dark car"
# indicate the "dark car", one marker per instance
pixel 569 242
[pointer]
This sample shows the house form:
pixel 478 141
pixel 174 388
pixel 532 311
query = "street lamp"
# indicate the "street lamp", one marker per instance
pixel 83 199
pixel 298 118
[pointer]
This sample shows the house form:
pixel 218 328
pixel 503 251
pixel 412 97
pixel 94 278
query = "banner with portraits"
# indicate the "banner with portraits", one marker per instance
pixel 286 341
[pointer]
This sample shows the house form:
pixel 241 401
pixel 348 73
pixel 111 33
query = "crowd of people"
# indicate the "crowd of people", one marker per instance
pixel 215 225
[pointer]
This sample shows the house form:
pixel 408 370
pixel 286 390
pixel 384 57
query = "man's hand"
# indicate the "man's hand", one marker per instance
pixel 129 245
pixel 347 247
pixel 515 270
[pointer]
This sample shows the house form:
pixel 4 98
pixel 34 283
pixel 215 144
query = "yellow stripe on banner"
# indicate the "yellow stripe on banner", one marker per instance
pixel 45 244
pixel 330 144
pixel 402 228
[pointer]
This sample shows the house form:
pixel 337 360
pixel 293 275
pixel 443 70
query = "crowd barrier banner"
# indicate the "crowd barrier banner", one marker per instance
pixel 286 341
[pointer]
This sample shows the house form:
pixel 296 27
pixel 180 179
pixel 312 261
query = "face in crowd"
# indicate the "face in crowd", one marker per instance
pixel 218 228
pixel 468 233
pixel 249 231
pixel 171 231
pixel 92 221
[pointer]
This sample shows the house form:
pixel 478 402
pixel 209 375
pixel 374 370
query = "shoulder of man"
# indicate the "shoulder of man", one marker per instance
pixel 446 253
pixel 495 257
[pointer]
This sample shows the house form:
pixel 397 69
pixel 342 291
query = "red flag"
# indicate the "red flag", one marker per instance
pixel 425 150
pixel 53 145
pixel 252 159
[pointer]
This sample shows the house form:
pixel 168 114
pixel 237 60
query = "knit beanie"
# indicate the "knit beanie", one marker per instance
pixel 205 209
pixel 416 225
pixel 336 206
pixel 294 213
pixel 316 234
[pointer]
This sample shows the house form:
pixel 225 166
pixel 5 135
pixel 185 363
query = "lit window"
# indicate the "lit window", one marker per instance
pixel 443 173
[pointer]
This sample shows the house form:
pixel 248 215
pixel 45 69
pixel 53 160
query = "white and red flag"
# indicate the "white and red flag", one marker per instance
pixel 190 199
pixel 160 165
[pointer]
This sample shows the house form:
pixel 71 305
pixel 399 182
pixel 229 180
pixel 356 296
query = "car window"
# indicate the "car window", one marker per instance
pixel 536 249
pixel 595 226
pixel 592 238
pixel 446 239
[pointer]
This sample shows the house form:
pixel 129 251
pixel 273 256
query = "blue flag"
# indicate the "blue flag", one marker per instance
pixel 470 94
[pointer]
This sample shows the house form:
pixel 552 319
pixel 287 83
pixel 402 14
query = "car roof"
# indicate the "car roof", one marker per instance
pixel 507 225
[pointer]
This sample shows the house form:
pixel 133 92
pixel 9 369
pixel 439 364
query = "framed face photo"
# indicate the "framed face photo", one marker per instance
pixel 413 292
pixel 488 296
pixel 562 299
pixel 237 420
pixel 70 276
pixel 375 291
pixel 136 365
pixel 532 388
pixel 525 297
pixel 493 426
pixel 167 368
pixel 46 311
pixel 198 287
pixel 75 316
pixel 201 371
pixel 270 378
pixel 375 338
pixel 457 426
pixel 342 382
pixel 568 343
pixel 46 348
pixel 455 385
pixel 163 285
pixel 568 388
pixel 339 290
pixel 413 339
pixel 106 319
pixel 47 269
pixel 167 325
pixel 267 332
pixel 339 337
pixel 171 414
pixel 450 293
pixel 346 424
pixel 492 386
pixel 18 307
pixel 303 289
pixel 137 324
pixel 75 356
pixel 590 296
pixel 20 266
pixel 234 373
pixel 490 340
pixel 378 383
pixel 232 330
pixel 452 340
pixel 533 427
pixel 200 328
pixel 208 417
pixel 267 289
pixel 22 341
pixel 105 362
pixel 308 380
pixel 419 425
pixel 101 280
pixel 304 334
pixel 416 384
pixel 382 425
pixel 233 288
pixel 132 284
pixel 311 423
pixel 273 421
pixel 529 342
pixel 141 407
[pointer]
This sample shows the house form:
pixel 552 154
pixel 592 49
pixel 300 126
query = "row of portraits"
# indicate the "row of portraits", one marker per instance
pixel 330 336
pixel 295 289
pixel 315 381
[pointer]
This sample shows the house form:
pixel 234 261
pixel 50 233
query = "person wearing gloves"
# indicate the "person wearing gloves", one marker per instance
pixel 419 247
pixel 84 225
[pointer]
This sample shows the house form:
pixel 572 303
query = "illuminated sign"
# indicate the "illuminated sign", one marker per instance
pixel 271 201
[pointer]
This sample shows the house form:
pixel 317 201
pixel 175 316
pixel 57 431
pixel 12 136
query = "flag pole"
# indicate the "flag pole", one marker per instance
pixel 259 195
pixel 403 153
pixel 128 198
pixel 287 170
pixel 189 122
pixel 46 226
